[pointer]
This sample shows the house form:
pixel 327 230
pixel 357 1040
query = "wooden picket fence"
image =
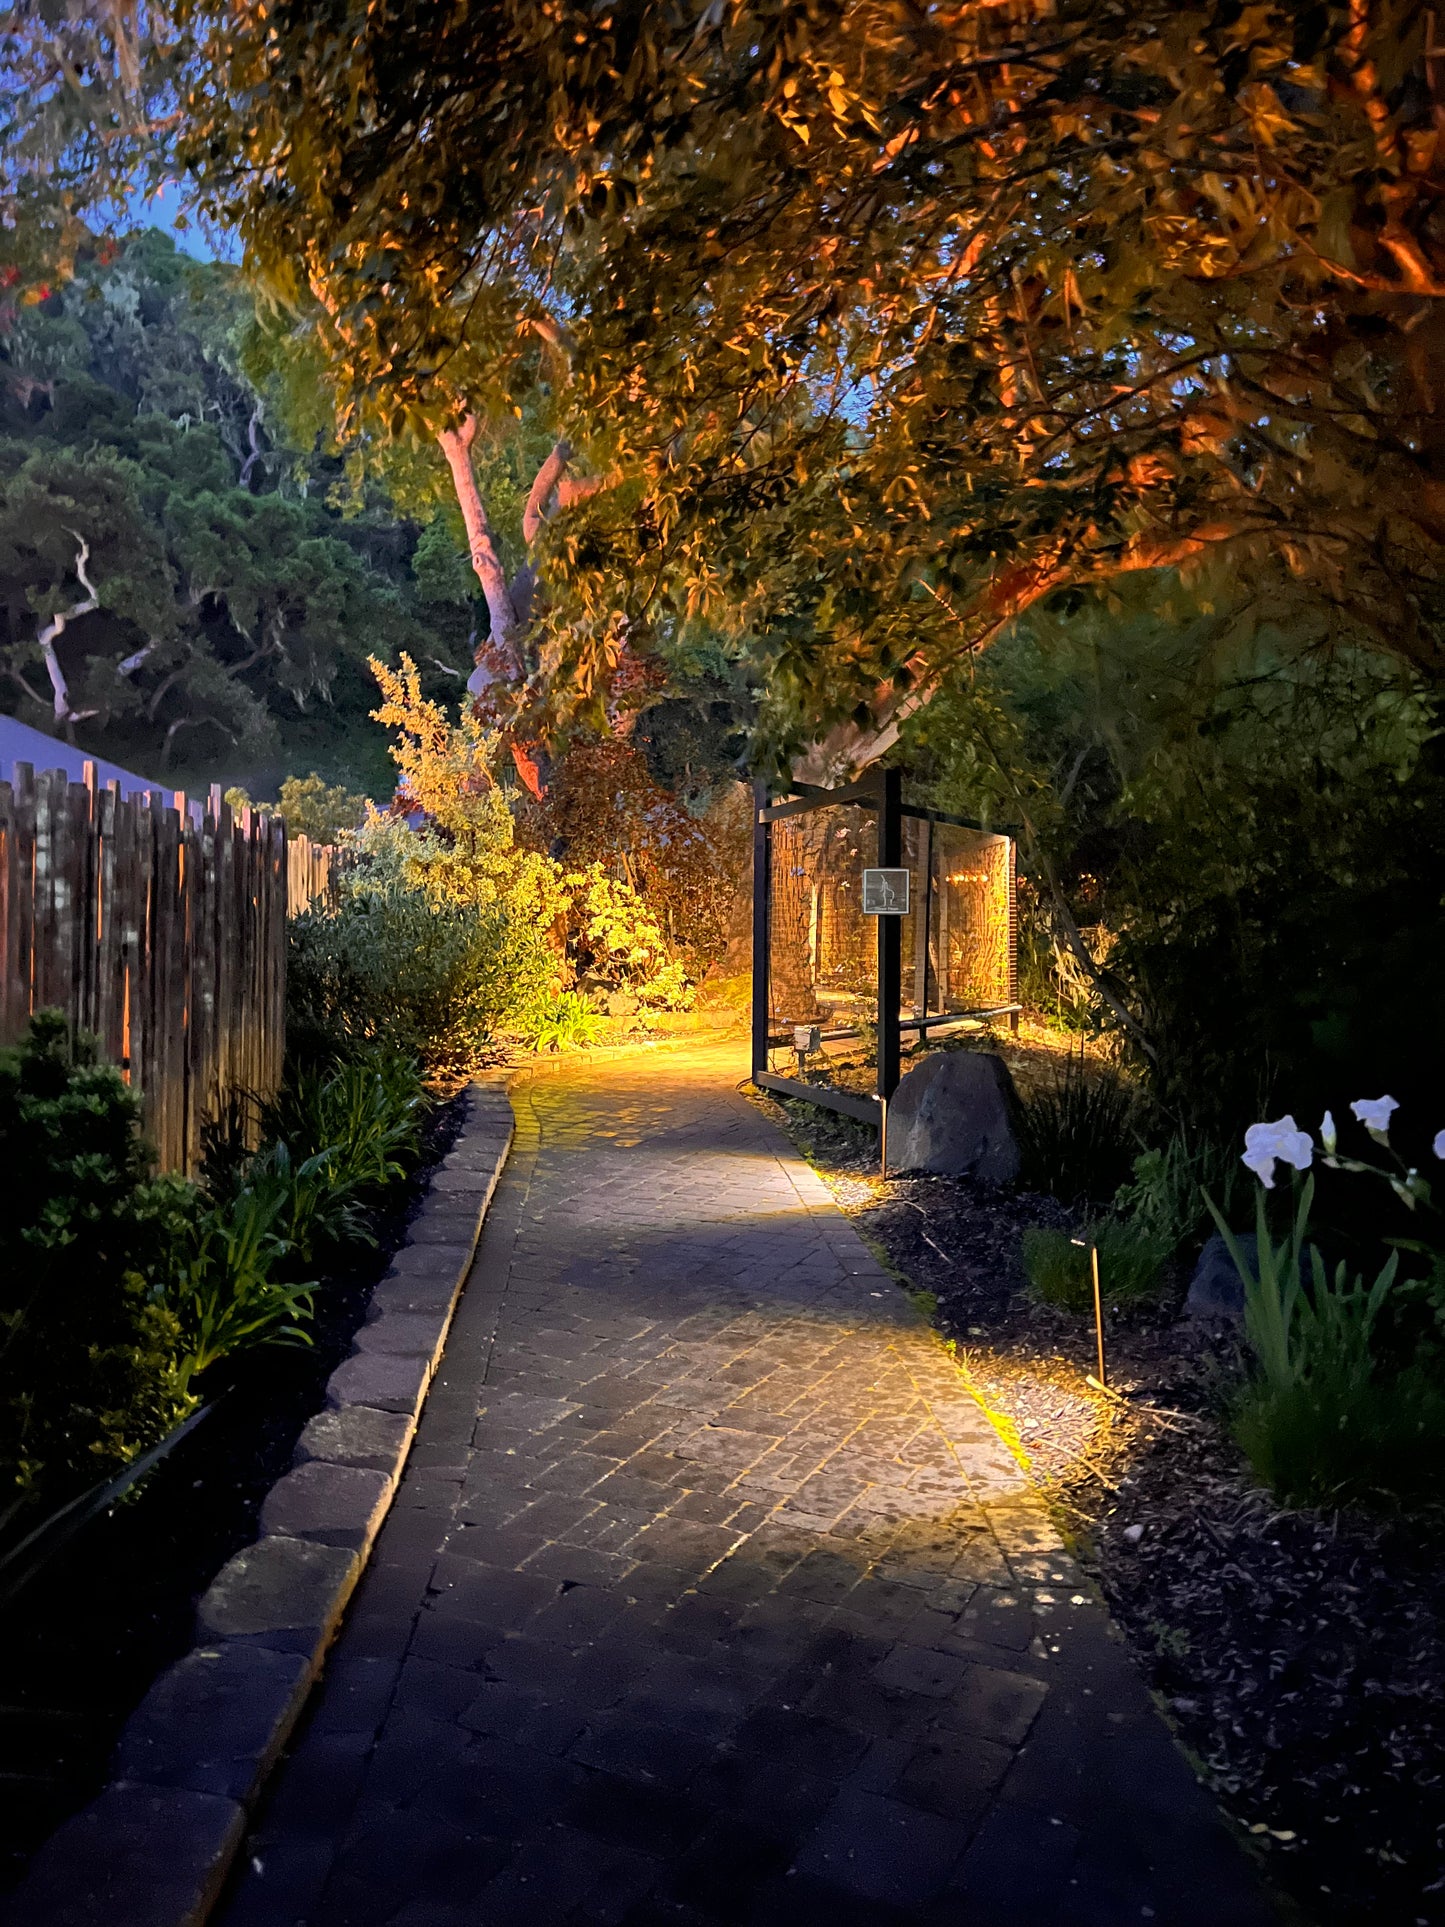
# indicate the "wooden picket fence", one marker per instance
pixel 313 874
pixel 160 930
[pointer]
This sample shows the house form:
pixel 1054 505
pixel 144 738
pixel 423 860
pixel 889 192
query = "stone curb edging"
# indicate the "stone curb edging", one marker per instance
pixel 154 1849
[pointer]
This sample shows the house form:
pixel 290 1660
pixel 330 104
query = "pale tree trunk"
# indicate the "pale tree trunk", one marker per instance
pixel 456 445
pixel 509 605
pixel 50 635
pixel 253 432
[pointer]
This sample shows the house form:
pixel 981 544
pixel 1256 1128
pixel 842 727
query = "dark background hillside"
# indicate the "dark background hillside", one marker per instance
pixel 240 577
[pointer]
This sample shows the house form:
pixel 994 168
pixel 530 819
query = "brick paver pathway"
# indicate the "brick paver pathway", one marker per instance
pixel 710 1595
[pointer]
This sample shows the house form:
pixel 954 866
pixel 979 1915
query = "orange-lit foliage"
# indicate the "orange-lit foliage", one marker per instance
pixel 602 805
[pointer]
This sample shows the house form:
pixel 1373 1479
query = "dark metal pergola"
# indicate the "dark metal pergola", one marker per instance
pixel 817 967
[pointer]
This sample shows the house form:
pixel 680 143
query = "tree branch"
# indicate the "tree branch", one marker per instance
pixel 56 627
pixel 1017 592
pixel 552 491
pixel 34 694
pixel 577 488
pixel 456 446
pixel 1069 930
pixel 253 431
pixel 548 329
pixel 128 665
pixel 544 485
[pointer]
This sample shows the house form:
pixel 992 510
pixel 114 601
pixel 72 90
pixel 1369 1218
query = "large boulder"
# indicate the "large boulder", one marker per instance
pixel 953 1115
pixel 1216 1291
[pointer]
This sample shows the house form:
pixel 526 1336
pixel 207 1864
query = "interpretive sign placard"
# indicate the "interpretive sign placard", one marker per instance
pixel 885 893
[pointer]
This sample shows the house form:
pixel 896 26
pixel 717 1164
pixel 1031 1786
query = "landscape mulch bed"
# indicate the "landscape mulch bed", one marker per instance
pixel 82 1644
pixel 1299 1656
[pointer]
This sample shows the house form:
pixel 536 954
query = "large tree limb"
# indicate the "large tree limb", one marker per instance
pixel 1013 595
pixel 545 484
pixel 456 446
pixel 577 488
pixel 509 604
pixel 53 630
pixel 253 433
pixel 552 491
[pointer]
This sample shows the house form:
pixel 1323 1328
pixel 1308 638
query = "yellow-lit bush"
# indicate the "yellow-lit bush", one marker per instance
pixel 468 854
pixel 508 921
pixel 618 945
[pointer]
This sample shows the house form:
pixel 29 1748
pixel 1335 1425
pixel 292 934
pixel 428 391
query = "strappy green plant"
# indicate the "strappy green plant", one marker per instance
pixel 1322 1418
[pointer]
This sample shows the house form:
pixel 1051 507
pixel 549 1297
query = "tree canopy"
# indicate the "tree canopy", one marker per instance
pixel 882 322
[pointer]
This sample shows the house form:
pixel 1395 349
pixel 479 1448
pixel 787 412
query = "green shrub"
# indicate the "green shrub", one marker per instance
pixel 367 1112
pixel 121 1291
pixel 1323 1419
pixel 617 943
pixel 561 1020
pixel 223 1288
pixel 88 1346
pixel 1166 1195
pixel 1076 1134
pixel 390 968
pixel 1131 1260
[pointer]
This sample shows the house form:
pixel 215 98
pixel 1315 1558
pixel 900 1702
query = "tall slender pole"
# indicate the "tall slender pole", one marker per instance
pixel 890 933
pixel 762 895
pixel 922 917
pixel 1098 1314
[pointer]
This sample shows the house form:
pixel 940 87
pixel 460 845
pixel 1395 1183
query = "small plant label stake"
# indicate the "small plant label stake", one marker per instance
pixel 1102 1381
pixel 807 1040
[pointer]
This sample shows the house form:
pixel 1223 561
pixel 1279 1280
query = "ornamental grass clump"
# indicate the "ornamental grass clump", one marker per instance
pixel 1166 1194
pixel 1345 1401
pixel 366 1112
pixel 1131 1264
pixel 224 1286
pixel 332 1143
pixel 1076 1135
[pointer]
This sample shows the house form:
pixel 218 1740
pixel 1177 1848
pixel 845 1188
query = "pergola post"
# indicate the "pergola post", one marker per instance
pixel 762 900
pixel 890 933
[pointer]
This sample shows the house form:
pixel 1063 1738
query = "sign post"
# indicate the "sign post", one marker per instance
pixel 891 886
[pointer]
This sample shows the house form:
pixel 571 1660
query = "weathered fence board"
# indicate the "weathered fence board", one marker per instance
pixel 313 874
pixel 162 931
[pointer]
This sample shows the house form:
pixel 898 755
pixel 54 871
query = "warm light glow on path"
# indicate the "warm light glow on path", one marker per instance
pixel 712 1595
